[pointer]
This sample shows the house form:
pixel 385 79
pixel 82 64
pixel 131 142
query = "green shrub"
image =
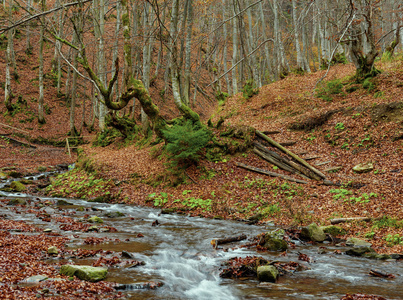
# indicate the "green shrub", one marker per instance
pixel 221 97
pixel 368 85
pixel 185 141
pixel 332 87
pixel 249 89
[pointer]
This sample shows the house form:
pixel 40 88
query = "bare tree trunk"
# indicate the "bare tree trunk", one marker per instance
pixel 7 89
pixel 234 51
pixel 41 118
pixel 188 52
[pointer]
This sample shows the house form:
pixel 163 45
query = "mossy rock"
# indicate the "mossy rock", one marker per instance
pixel 26 181
pixel 267 273
pixel 274 241
pixel 3 176
pixel 15 174
pixel 333 230
pixel 17 186
pixel 313 232
pixel 87 273
pixel 363 167
pixel 42 169
pixel 361 251
pixel 114 214
pixel 53 250
pixel 95 219
pixel 16 201
pixel 356 242
pixel 63 202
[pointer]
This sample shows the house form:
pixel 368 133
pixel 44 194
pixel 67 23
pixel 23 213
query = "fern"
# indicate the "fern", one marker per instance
pixel 185 142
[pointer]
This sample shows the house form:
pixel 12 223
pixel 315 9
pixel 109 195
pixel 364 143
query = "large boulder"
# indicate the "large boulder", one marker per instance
pixel 313 232
pixel 87 273
pixel 363 167
pixel 267 273
pixel 274 241
pixel 17 186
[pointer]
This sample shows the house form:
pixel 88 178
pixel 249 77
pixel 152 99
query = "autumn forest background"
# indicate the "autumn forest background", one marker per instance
pixel 164 101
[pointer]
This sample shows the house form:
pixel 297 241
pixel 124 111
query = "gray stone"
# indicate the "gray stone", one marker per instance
pixel 53 250
pixel 17 186
pixel 363 167
pixel 267 273
pixel 313 232
pixel 87 273
pixel 355 242
pixel 35 279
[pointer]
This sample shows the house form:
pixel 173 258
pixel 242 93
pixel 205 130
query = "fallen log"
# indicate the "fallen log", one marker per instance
pixel 344 220
pixel 288 143
pixel 297 158
pixel 312 157
pixel 262 171
pixel 216 242
pixel 292 165
pixel 381 274
pixel 274 161
pixel 17 142
pixel 323 163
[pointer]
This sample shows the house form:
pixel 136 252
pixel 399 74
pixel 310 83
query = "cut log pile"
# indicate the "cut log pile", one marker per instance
pixel 291 163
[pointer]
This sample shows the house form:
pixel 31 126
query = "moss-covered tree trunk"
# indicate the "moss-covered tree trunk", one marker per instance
pixel 134 87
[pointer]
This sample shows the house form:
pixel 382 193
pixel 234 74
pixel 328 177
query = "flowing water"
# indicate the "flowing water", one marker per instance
pixel 178 253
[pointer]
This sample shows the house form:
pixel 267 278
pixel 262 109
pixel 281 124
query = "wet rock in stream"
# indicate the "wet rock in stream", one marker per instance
pixel 151 285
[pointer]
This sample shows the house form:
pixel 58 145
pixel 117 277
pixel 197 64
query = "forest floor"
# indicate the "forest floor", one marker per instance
pixel 363 127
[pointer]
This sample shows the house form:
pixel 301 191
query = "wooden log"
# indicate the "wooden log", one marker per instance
pixel 381 274
pixel 288 143
pixel 294 167
pixel 333 169
pixel 262 171
pixel 216 242
pixel 323 163
pixel 274 161
pixel 297 158
pixel 16 142
pixel 312 157
pixel 271 132
pixel 344 220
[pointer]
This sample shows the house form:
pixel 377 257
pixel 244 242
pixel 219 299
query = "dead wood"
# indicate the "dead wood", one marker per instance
pixel 262 171
pixel 323 163
pixel 296 168
pixel 274 161
pixel 381 274
pixel 297 158
pixel 16 142
pixel 216 242
pixel 344 220
pixel 312 157
pixel 288 143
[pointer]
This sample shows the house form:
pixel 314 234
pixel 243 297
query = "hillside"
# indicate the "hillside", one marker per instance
pixel 350 124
